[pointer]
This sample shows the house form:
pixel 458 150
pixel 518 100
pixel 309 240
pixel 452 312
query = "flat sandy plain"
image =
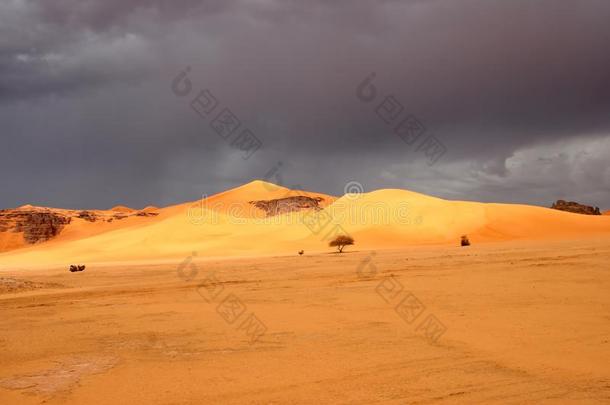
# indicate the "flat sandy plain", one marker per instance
pixel 522 322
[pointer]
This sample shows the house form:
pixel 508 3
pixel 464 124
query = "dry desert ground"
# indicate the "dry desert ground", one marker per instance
pixel 514 322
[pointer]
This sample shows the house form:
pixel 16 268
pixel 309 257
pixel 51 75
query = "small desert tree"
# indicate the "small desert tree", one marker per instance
pixel 341 242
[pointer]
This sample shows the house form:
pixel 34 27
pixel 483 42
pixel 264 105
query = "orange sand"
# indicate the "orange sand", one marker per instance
pixel 526 323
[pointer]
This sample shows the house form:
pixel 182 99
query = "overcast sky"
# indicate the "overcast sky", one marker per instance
pixel 516 92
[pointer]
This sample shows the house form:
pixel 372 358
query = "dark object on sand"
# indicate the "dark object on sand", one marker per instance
pixel 576 208
pixel 301 252
pixel 74 269
pixel 465 241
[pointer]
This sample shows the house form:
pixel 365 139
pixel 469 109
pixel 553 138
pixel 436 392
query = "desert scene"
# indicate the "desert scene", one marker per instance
pixel 273 202
pixel 239 299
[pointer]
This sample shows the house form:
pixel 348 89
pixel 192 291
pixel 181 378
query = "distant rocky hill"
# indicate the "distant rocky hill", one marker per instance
pixel 571 206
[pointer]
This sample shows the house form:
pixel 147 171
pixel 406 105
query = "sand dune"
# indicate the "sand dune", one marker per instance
pixel 228 224
pixel 122 208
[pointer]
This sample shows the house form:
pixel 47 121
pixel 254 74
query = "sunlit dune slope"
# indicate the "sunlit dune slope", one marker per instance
pixel 237 202
pixel 225 224
pixel 395 217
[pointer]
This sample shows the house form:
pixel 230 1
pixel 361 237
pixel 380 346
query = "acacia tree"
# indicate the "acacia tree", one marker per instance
pixel 341 242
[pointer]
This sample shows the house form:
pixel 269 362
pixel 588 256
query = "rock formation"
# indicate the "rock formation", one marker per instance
pixel 87 216
pixel 36 226
pixel 288 204
pixel 575 207
pixel 40 224
pixel 146 214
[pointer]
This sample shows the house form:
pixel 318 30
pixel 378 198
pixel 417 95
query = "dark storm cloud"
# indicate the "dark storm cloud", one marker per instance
pixel 498 82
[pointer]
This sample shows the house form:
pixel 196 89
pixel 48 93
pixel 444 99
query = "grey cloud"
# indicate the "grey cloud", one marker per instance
pixel 487 78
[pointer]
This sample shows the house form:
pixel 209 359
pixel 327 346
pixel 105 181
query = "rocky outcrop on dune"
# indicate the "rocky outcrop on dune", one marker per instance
pixel 87 216
pixel 146 214
pixel 35 224
pixel 289 204
pixel 571 206
pixel 40 224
